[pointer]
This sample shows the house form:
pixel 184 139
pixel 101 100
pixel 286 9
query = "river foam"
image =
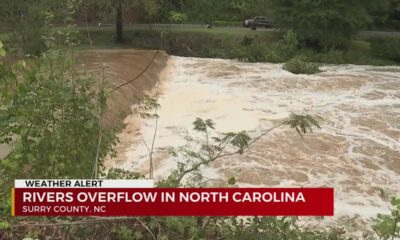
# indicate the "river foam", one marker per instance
pixel 357 151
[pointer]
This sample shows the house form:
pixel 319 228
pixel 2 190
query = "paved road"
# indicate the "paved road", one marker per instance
pixel 163 26
pixel 378 33
pixel 185 27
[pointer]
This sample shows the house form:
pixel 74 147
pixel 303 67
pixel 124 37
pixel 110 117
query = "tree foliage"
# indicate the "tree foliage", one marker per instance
pixel 28 21
pixel 51 115
pixel 387 226
pixel 303 123
pixel 322 24
pixel 386 14
pixel 201 11
pixel 198 153
pixel 177 17
pixel 387 48
pixel 118 7
pixel 31 22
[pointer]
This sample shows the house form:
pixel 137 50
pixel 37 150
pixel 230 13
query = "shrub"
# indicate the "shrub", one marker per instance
pixel 56 112
pixel 30 24
pixel 257 51
pixel 284 50
pixel 298 66
pixel 388 48
pixel 290 42
pixel 280 52
pixel 248 49
pixel 332 56
pixel 276 55
pixel 247 41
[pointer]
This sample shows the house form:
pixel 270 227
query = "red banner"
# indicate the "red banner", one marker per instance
pixel 173 202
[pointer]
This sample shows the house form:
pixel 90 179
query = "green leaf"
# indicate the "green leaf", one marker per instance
pixel 303 123
pixel 240 140
pixel 201 125
pixel 232 181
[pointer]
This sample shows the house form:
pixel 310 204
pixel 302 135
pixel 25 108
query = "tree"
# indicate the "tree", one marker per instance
pixel 118 22
pixel 214 146
pixel 27 19
pixel 322 24
pixel 223 10
pixel 30 22
pixel 386 14
pixel 119 7
pixel 148 109
pixel 51 116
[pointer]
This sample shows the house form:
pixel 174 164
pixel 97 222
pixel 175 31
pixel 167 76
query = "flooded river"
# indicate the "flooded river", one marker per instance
pixel 357 151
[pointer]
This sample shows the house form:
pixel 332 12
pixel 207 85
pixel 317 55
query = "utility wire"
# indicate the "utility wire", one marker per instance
pixel 137 76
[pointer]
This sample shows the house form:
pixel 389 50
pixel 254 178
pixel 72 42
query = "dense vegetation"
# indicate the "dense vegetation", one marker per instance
pixel 322 24
pixel 319 24
pixel 51 113
pixel 275 47
pixel 383 14
pixel 388 48
pixel 323 32
pixel 298 66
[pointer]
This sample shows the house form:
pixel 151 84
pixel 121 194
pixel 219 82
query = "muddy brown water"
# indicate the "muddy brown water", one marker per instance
pixel 118 68
pixel 357 151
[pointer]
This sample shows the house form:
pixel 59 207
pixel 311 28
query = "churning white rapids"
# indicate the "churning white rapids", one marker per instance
pixel 357 151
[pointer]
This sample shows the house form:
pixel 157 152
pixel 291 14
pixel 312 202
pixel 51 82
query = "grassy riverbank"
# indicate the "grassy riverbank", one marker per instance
pixel 252 46
pixel 227 43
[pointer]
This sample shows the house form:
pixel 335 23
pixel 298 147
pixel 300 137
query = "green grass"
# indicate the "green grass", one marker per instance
pixel 104 35
pixel 220 42
pixel 360 45
pixel 225 43
pixel 197 42
pixel 197 29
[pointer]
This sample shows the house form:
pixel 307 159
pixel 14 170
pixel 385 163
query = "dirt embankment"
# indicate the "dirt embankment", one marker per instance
pixel 129 74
